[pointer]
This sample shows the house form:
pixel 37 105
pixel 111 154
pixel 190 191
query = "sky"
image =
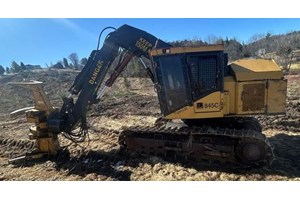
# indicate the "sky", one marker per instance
pixel 46 40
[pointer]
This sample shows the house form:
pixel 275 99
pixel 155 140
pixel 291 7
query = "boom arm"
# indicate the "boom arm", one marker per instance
pixel 126 42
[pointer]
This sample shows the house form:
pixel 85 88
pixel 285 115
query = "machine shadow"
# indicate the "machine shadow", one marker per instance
pixel 287 154
pixel 98 162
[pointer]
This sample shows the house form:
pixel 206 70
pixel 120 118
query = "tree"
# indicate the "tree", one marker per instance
pixel 83 61
pixel 22 66
pixel 268 35
pixel 181 43
pixel 286 57
pixel 15 68
pixel 212 39
pixel 256 37
pixel 58 65
pixel 66 63
pixel 268 39
pixel 2 70
pixel 74 60
pixel 234 49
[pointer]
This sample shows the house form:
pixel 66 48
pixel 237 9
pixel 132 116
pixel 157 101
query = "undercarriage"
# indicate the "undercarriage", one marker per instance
pixel 244 145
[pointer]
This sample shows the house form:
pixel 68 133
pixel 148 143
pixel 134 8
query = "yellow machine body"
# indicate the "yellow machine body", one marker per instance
pixel 253 86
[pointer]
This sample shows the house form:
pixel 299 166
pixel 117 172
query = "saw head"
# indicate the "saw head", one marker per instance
pixel 46 141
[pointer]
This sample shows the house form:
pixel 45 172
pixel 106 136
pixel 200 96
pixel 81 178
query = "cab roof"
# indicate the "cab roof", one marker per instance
pixel 176 50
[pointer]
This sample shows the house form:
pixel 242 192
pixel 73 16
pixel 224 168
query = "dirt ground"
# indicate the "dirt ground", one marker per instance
pixel 130 102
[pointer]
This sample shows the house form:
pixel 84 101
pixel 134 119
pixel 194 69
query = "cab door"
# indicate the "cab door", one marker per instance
pixel 172 83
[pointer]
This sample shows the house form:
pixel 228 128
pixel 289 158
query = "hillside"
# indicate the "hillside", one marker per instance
pixel 131 101
pixel 283 48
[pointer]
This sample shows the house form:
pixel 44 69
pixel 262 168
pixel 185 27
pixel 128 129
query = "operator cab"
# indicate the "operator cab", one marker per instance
pixel 184 75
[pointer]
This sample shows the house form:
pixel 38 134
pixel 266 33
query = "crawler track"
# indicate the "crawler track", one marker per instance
pixel 244 147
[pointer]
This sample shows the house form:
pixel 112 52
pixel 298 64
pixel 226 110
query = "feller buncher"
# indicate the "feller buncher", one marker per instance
pixel 213 100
